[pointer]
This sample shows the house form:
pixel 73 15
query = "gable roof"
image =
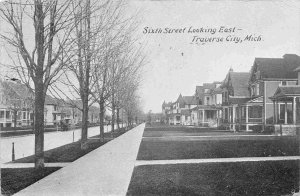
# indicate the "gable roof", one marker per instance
pixel 283 91
pixel 16 90
pixel 239 82
pixel 277 68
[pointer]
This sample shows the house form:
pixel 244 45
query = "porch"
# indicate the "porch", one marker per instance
pixel 207 116
pixel 286 103
pixel 244 114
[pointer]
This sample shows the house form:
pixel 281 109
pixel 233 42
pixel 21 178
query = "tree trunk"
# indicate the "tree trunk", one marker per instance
pixel 85 118
pixel 39 125
pixel 113 115
pixel 113 120
pixel 101 104
pixel 15 119
pixel 118 118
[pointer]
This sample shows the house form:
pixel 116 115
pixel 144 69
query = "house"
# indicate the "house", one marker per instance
pixel 180 112
pixel 207 111
pixel 16 103
pixel 166 111
pixel 267 74
pixel 287 119
pixel 235 95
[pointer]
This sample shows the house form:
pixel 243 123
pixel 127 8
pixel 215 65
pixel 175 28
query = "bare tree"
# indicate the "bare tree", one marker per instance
pixel 38 63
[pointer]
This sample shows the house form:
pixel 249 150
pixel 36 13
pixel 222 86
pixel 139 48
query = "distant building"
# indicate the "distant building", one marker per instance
pixel 207 111
pixel 16 104
pixel 17 107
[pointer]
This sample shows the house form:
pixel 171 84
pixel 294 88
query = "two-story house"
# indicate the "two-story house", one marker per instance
pixel 180 113
pixel 16 104
pixel 208 110
pixel 287 95
pixel 267 74
pixel 235 94
pixel 166 111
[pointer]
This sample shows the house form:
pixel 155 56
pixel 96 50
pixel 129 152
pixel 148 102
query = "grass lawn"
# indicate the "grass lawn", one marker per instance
pixel 71 152
pixel 66 153
pixel 193 149
pixel 14 180
pixel 190 131
pixel 251 178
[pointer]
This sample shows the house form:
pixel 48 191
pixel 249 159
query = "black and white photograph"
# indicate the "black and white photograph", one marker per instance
pixel 150 97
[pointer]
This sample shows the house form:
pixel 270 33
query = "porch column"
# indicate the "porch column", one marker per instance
pixel 276 111
pixel 285 113
pixel 294 111
pixel 233 118
pixel 247 126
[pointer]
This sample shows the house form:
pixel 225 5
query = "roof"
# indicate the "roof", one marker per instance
pixel 239 101
pixel 239 81
pixel 284 91
pixel 217 90
pixel 278 68
pixel 199 91
pixel 50 100
pixel 185 112
pixel 16 89
pixel 189 100
pixel 209 85
pixel 168 104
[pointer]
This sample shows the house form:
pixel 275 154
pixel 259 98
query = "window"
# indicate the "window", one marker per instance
pixel 24 115
pixel 1 114
pixel 7 114
pixel 226 114
pixel 256 89
pixel 283 83
pixel 281 111
pixel 255 112
pixel 178 118
pixel 207 100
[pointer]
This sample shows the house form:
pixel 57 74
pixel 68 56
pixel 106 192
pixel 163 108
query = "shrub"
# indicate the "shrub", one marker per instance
pixel 256 128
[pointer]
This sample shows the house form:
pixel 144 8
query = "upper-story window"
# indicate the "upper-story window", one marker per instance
pixel 206 90
pixel 207 100
pixel 283 83
pixel 256 89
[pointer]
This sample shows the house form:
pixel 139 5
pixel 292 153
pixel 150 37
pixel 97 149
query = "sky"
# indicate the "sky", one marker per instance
pixel 175 66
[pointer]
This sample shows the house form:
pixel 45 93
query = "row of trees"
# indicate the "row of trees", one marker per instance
pixel 76 49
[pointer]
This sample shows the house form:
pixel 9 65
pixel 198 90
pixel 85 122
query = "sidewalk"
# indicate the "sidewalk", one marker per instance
pixel 215 160
pixel 105 171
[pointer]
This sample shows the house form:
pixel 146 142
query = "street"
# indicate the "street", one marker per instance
pixel 24 145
